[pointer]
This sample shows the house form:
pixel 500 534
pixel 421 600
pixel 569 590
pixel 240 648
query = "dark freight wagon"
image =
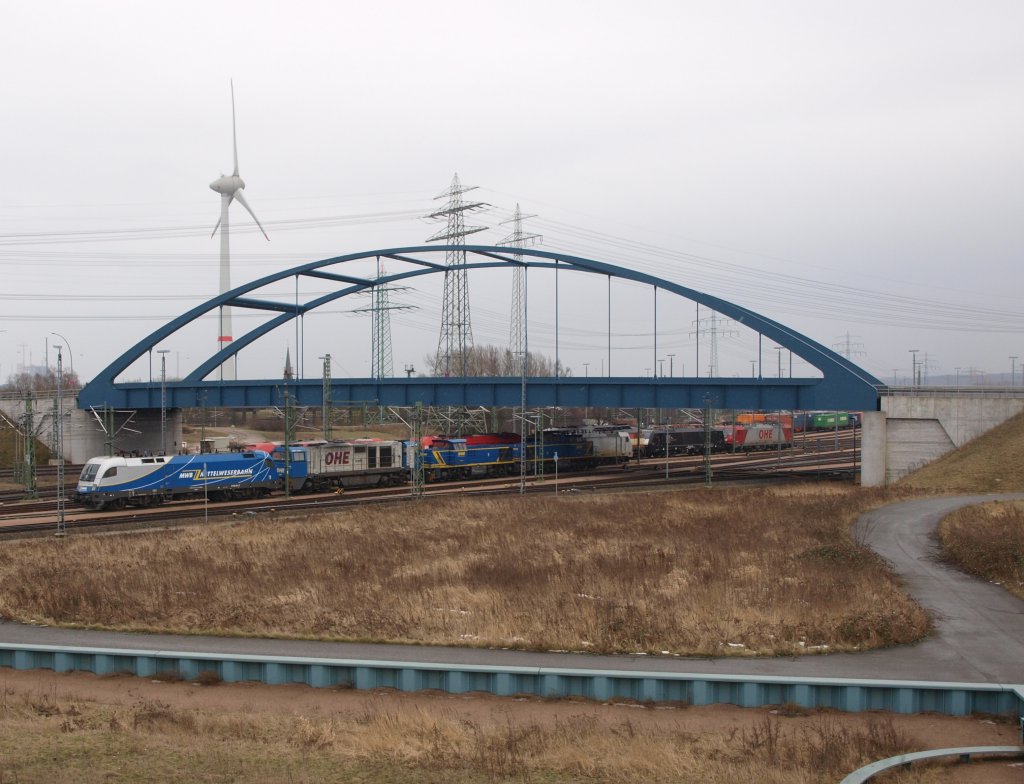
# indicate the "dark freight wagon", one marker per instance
pixel 683 441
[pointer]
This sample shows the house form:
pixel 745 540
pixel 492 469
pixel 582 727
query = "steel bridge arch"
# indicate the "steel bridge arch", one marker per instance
pixel 841 378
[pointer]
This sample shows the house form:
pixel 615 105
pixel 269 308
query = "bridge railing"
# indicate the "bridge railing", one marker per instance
pixel 953 391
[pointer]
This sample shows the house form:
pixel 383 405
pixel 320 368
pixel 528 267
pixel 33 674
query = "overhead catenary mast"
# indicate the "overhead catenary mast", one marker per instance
pixel 456 336
pixel 230 188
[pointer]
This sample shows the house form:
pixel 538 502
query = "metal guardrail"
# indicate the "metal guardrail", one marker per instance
pixel 954 699
pixel 868 772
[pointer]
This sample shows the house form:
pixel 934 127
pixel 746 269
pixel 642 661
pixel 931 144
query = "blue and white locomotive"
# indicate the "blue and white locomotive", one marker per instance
pixel 116 482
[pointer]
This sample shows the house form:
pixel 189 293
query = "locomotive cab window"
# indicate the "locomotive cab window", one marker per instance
pixel 385 456
pixel 112 471
pixel 371 454
pixel 89 472
pixel 359 457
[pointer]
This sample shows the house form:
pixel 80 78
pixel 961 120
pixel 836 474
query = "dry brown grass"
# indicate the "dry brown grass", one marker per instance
pixel 988 541
pixel 692 572
pixel 991 463
pixel 10 449
pixel 45 736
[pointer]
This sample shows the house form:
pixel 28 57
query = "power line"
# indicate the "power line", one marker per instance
pixel 196 230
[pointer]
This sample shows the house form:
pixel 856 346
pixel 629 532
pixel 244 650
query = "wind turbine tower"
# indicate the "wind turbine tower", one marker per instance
pixel 230 187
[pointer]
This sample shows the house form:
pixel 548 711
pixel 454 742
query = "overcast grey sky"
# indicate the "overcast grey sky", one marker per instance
pixel 844 168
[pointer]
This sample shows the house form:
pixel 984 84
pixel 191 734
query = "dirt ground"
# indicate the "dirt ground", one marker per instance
pixel 928 731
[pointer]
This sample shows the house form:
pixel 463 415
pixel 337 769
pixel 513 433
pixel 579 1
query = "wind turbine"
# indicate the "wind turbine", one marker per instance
pixel 229 186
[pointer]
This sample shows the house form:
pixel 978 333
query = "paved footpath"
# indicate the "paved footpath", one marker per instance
pixel 979 635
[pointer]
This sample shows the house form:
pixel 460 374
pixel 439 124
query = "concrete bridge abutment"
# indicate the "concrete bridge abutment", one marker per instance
pixel 918 425
pixel 85 434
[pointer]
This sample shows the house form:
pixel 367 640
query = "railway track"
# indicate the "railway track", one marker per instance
pixel 820 461
pixel 23 508
pixel 47 472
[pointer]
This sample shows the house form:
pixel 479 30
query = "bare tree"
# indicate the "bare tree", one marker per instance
pixel 45 381
pixel 498 361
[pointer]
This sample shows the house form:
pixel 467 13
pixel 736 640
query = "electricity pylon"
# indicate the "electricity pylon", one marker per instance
pixel 380 309
pixel 456 336
pixel 713 325
pixel 847 347
pixel 517 331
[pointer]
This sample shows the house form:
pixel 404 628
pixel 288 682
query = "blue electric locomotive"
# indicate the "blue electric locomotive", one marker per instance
pixel 116 482
pixel 569 446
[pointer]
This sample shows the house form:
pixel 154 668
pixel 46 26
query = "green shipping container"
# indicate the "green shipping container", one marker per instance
pixel 828 421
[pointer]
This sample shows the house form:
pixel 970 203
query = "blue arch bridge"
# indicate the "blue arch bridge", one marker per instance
pixel 842 384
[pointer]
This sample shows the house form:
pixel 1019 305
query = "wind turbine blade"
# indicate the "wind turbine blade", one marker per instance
pixel 234 136
pixel 244 203
pixel 230 199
